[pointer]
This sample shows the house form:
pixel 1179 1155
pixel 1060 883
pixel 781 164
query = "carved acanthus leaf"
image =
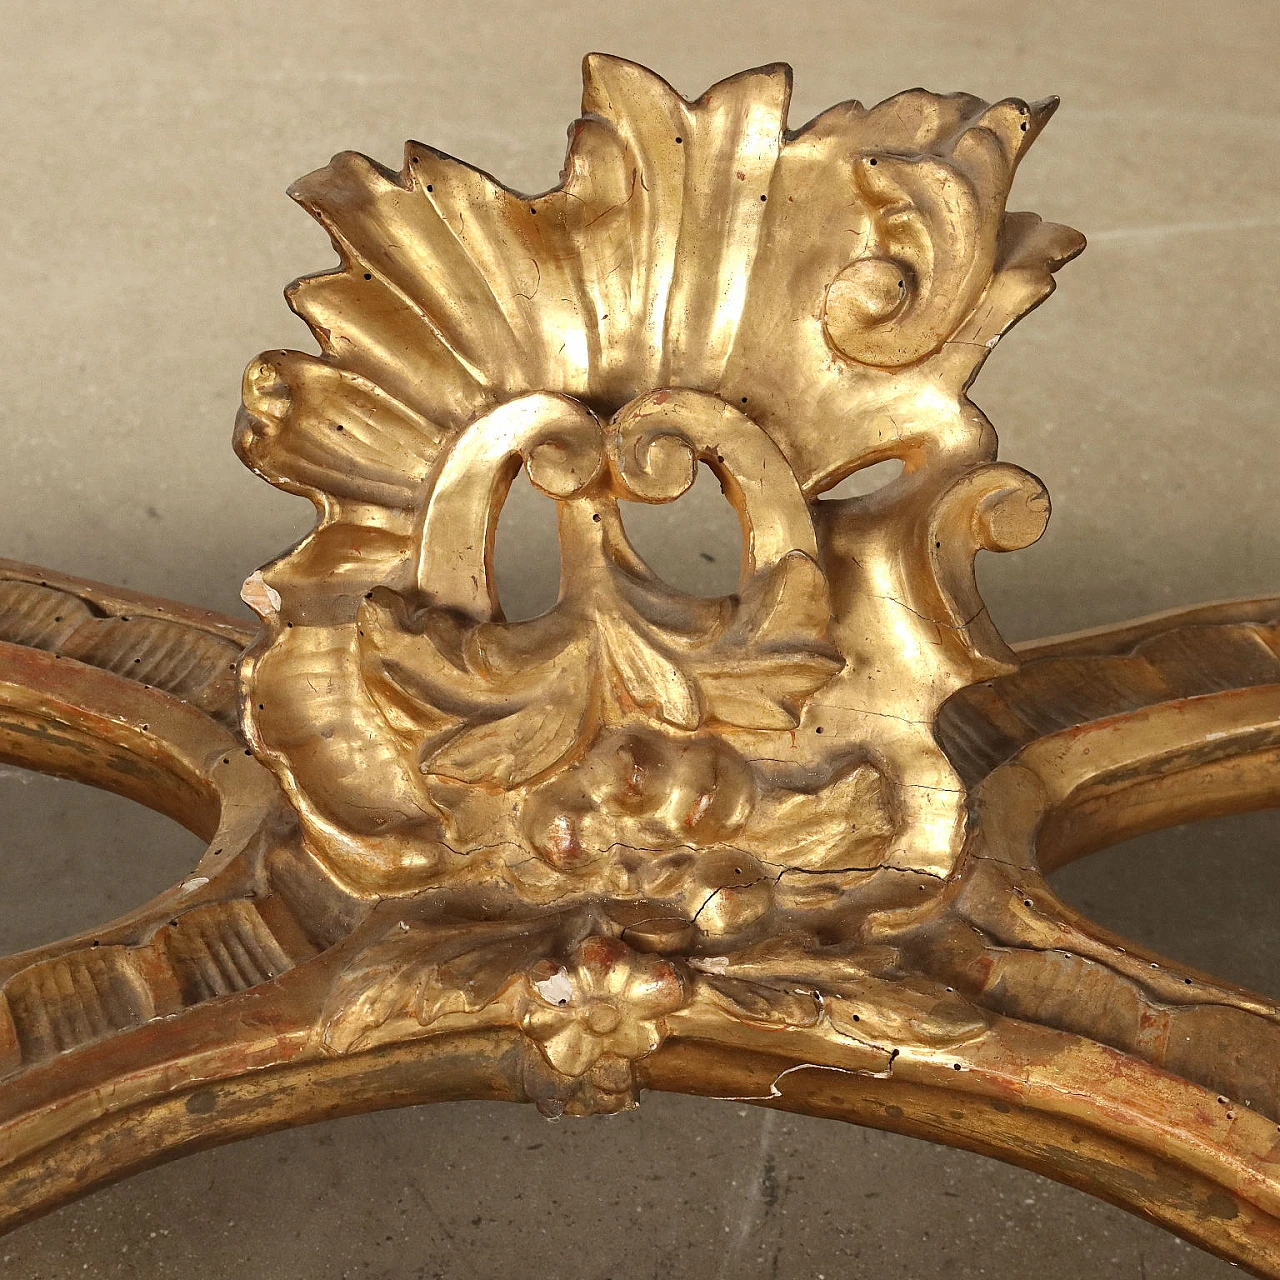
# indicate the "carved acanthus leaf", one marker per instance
pixel 866 993
pixel 417 973
pixel 768 1004
pixel 840 826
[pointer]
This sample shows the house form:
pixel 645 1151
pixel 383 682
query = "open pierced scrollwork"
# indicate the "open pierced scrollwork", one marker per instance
pixel 785 845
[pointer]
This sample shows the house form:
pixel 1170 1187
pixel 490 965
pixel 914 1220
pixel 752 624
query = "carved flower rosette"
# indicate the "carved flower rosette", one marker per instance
pixel 694 777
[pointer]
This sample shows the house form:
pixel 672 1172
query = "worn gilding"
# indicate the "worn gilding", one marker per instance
pixel 785 845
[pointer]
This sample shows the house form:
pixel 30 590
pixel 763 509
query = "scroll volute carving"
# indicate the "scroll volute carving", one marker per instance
pixel 932 235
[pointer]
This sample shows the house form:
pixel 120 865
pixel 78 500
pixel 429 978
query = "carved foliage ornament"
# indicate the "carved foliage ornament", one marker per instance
pixel 655 786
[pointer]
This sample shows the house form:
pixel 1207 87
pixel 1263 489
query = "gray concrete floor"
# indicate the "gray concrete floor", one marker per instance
pixel 143 243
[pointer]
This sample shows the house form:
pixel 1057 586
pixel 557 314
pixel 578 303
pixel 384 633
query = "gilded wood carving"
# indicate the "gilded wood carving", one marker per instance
pixel 784 846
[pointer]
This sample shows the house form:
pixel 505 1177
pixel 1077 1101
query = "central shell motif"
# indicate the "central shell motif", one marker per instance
pixel 705 287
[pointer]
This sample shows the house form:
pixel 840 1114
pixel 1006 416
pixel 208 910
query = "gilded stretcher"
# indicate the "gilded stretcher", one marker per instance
pixel 786 846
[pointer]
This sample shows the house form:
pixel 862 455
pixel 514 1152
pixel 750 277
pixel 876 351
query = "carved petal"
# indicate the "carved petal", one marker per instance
pixel 645 677
pixel 568 1046
pixel 516 748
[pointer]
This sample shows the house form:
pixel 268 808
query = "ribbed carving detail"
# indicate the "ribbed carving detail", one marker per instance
pixel 1231 1051
pixel 67 1001
pixel 220 949
pixel 986 724
pixel 80 996
pixel 39 617
pixel 193 664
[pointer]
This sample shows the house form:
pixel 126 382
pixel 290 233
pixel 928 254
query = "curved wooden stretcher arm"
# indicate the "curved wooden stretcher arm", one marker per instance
pixel 200 1017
